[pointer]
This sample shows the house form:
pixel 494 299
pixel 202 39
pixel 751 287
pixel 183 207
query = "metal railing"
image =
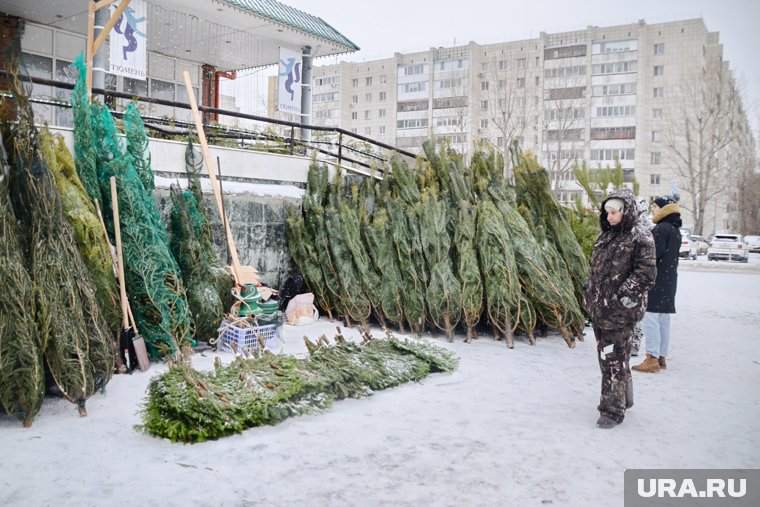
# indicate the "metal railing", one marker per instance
pixel 335 145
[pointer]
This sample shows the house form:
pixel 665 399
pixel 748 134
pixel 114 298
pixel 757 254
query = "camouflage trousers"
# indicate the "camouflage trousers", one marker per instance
pixel 613 349
pixel 638 334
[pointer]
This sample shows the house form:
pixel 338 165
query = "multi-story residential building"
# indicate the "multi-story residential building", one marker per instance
pixel 602 95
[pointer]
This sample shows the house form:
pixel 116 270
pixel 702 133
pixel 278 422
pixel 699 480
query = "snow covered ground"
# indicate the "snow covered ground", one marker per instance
pixel 509 427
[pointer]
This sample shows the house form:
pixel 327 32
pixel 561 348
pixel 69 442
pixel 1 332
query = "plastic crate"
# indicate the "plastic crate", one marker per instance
pixel 246 338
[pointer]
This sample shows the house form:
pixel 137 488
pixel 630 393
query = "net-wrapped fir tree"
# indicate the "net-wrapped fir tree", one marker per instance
pixel 88 232
pixel 314 201
pixel 202 296
pixel 381 250
pixel 499 270
pixel 22 375
pixel 444 292
pixel 354 303
pixel 535 193
pixel 199 216
pixel 153 279
pixel 78 349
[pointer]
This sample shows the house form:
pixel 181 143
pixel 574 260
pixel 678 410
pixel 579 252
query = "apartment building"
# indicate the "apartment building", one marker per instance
pixel 602 95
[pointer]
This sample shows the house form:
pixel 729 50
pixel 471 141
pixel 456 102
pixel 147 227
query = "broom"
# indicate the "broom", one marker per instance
pixel 131 345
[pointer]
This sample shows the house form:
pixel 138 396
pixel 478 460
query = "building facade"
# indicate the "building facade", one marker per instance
pixel 603 95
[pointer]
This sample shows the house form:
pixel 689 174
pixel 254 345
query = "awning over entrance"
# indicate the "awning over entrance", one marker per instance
pixel 228 34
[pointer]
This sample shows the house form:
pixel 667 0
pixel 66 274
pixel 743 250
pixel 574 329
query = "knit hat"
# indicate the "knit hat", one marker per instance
pixel 663 201
pixel 614 204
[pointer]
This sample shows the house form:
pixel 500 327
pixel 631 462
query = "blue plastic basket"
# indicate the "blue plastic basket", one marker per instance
pixel 246 339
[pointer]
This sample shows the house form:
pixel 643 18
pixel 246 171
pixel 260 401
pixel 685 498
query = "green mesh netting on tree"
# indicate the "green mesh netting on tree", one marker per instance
pixel 199 217
pixel 153 279
pixel 202 296
pixel 22 375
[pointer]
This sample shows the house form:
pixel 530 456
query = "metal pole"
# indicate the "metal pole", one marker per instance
pixel 340 148
pixel 99 57
pixel 306 93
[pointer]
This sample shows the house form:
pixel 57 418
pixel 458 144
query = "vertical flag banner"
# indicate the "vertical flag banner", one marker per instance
pixel 289 82
pixel 128 41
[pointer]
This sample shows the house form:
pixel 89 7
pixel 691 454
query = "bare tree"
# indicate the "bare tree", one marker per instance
pixel 748 183
pixel 508 107
pixel 701 125
pixel 564 125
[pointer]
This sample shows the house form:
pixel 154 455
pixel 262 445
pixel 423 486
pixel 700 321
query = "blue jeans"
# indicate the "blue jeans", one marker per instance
pixel 656 328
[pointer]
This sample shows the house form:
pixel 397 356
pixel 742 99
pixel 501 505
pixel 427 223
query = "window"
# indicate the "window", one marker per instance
pixel 602 133
pixel 614 47
pixel 521 82
pixel 383 79
pixel 419 86
pixel 161 89
pixel 354 83
pixel 414 69
pixel 659 92
pixel 613 67
pixel 367 97
pixel 656 135
pixel 484 124
pixel 613 154
pixel 484 105
pixel 354 99
pixel 367 131
pixel 616 111
pixel 354 115
pixel 503 64
pixel 520 121
pixel 656 157
pixel 412 123
pixel 381 113
pixel 565 52
pixel 383 97
pixel 659 49
pixel 368 81
pixel 537 81
pixel 367 114
pixel 483 67
pixel 657 113
pixel 659 70
pixel 521 63
pixel 613 89
pixel 538 61
pixel 520 101
pixel 654 179
pixel 484 86
pixel 445 84
pixel 381 129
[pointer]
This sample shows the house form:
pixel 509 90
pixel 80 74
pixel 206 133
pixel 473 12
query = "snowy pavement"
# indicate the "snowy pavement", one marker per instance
pixel 509 427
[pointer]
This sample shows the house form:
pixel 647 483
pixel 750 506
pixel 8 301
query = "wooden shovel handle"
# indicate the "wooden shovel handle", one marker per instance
pixel 117 234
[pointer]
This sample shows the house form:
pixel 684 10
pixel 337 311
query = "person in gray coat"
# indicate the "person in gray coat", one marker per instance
pixel 621 273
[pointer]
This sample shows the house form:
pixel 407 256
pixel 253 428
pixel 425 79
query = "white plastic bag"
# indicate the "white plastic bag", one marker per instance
pixel 301 310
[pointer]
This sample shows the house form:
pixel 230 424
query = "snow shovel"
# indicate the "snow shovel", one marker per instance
pixel 131 347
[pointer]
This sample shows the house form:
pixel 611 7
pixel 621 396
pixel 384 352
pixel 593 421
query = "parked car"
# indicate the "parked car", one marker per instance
pixel 688 248
pixel 727 247
pixel 752 243
pixel 702 244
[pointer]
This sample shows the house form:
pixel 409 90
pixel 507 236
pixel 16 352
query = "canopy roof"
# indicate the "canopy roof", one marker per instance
pixel 228 34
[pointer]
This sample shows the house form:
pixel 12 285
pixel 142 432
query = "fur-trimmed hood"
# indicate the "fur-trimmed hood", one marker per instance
pixel 669 213
pixel 630 210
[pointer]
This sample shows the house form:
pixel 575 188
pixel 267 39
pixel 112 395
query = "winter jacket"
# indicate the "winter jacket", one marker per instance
pixel 667 242
pixel 622 268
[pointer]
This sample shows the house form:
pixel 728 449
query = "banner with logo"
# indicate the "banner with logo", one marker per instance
pixel 289 82
pixel 128 41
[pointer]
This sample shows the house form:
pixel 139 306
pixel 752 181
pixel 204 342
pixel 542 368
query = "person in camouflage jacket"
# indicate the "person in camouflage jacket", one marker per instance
pixel 621 273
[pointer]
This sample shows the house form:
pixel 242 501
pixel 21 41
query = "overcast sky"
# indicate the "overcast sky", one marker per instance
pixel 381 28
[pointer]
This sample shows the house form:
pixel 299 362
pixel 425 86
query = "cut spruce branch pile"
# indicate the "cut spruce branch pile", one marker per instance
pixel 185 405
pixel 442 246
